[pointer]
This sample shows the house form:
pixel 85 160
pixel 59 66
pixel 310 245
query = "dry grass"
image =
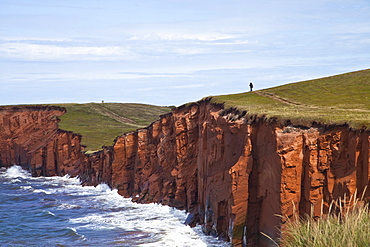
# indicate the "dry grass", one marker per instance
pixel 347 224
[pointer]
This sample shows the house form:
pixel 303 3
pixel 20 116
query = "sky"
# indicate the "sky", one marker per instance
pixel 171 52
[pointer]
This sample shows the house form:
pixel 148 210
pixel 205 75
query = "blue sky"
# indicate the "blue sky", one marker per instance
pixel 171 52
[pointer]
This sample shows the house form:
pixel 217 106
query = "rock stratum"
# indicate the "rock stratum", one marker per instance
pixel 235 174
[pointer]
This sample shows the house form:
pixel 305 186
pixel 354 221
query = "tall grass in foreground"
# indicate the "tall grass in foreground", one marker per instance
pixel 349 227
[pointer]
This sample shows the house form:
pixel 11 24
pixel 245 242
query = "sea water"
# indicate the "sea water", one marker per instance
pixel 58 211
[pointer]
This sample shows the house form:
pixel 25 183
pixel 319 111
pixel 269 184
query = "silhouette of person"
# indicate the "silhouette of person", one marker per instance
pixel 251 86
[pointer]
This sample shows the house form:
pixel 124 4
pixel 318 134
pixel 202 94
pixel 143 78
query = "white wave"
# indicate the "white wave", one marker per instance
pixel 178 236
pixel 160 225
pixel 97 221
pixel 82 237
pixel 103 188
pixel 68 206
pixel 51 213
pixel 163 222
pixel 211 241
pixel 80 190
pixel 14 181
pixel 16 172
pixel 26 188
pixel 73 229
pixel 59 180
pixel 48 192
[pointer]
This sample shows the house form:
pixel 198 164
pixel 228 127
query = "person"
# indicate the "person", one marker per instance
pixel 251 86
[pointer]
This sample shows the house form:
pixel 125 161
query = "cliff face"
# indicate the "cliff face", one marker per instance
pixel 234 173
pixel 29 136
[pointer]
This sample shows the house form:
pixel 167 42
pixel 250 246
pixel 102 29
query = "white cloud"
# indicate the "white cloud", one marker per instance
pixel 173 36
pixel 189 86
pixel 87 76
pixel 141 47
pixel 33 39
pixel 27 51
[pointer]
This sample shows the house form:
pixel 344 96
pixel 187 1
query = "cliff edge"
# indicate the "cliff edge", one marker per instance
pixel 236 174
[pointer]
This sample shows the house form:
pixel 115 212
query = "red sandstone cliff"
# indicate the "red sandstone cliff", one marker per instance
pixel 234 173
pixel 29 136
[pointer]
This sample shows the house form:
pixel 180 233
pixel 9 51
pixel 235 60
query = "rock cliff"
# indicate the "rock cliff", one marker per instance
pixel 29 136
pixel 235 174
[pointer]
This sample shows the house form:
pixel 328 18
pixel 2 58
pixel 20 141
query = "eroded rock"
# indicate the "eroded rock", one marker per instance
pixel 235 174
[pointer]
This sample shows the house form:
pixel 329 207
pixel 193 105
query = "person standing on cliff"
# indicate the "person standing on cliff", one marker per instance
pixel 251 86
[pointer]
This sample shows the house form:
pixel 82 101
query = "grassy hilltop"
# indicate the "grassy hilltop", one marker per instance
pixel 331 100
pixel 100 123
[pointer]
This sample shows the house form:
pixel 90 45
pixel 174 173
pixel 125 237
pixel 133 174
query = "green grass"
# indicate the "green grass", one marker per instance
pixel 332 100
pixel 99 124
pixel 350 227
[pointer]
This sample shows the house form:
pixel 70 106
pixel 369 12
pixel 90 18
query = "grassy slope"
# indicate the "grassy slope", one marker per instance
pixel 99 124
pixel 337 99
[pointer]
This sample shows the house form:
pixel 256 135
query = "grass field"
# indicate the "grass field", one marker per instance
pixel 332 100
pixel 99 124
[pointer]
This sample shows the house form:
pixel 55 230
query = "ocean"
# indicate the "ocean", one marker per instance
pixel 58 211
